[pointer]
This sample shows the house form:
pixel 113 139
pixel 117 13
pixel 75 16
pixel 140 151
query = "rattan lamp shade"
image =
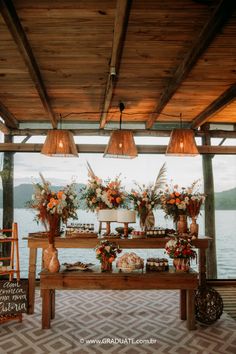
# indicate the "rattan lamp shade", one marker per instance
pixel 59 143
pixel 182 143
pixel 121 145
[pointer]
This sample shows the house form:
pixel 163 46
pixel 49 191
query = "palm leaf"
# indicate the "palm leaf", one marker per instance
pixel 90 171
pixel 161 178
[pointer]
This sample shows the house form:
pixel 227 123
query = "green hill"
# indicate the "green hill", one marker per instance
pixel 23 193
pixel 225 200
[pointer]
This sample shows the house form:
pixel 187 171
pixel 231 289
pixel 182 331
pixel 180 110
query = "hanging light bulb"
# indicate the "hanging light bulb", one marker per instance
pixel 59 143
pixel 121 143
pixel 182 142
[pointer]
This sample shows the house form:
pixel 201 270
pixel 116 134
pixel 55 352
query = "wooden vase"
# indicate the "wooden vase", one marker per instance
pixel 182 226
pixel 47 255
pixel 181 264
pixel 194 227
pixel 54 265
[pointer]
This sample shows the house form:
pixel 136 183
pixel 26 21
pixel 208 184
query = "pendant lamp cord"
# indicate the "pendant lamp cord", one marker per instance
pixel 121 107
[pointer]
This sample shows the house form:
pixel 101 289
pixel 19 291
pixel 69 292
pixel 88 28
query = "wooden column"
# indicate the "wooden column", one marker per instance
pixel 209 208
pixel 7 186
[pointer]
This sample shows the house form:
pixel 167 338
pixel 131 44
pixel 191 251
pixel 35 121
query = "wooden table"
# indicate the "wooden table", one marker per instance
pixel 148 243
pixel 185 282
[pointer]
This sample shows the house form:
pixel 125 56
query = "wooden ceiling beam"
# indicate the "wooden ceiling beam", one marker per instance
pixel 13 23
pixel 8 117
pixel 229 134
pixel 223 100
pixel 220 15
pixel 94 148
pixel 120 27
pixel 4 129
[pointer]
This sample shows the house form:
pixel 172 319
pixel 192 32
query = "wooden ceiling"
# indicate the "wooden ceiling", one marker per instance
pixel 80 58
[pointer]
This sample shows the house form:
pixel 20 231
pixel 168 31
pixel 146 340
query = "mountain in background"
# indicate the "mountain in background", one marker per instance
pixel 23 193
pixel 225 200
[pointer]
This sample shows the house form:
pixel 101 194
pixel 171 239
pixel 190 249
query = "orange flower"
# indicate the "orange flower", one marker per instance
pixel 177 201
pixel 172 201
pixel 50 205
pixel 98 251
pixel 118 200
pixel 111 259
pixel 59 194
pixel 177 194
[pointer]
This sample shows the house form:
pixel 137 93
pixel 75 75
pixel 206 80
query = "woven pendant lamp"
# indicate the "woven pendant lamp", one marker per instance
pixel 182 143
pixel 121 143
pixel 59 143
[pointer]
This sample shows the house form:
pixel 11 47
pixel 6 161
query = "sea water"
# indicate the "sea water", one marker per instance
pixel 225 240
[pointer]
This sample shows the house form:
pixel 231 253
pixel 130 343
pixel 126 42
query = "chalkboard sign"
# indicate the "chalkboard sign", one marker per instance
pixel 13 297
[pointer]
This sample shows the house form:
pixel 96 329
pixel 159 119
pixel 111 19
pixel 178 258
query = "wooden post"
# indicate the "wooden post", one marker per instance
pixel 7 186
pixel 209 208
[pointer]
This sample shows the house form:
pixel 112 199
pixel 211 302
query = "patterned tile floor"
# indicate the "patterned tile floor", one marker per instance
pixel 126 322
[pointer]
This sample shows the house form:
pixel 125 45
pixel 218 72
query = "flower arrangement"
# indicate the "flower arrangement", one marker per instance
pixel 146 198
pixel 53 206
pixel 180 248
pixel 195 199
pixel 177 201
pixel 99 195
pixel 106 252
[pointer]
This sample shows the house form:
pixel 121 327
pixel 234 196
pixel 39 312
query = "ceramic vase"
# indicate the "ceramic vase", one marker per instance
pixel 106 266
pixel 54 265
pixel 181 264
pixel 194 227
pixel 182 226
pixel 47 255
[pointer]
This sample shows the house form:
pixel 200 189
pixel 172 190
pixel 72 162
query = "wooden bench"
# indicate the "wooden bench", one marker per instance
pixel 185 282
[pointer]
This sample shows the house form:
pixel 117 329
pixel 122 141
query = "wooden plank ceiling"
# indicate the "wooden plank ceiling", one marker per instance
pixel 80 58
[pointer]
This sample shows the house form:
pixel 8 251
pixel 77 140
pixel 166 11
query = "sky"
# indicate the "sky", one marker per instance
pixel 143 169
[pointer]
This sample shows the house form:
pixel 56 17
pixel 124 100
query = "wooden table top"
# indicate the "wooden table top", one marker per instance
pixel 63 242
pixel 118 280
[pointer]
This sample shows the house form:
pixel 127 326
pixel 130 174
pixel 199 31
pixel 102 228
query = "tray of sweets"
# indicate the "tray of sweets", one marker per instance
pixel 157 265
pixel 40 234
pixel 81 235
pixel 77 266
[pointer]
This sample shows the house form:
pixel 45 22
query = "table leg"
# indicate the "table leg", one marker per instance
pixel 183 314
pixel 32 272
pixel 202 267
pixel 53 294
pixel 190 309
pixel 46 308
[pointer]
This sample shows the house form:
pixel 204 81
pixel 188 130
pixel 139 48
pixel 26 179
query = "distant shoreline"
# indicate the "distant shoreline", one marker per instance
pixel 225 200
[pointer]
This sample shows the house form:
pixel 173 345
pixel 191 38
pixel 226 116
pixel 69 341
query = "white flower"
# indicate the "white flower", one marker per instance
pixel 108 248
pixel 98 191
pixel 138 202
